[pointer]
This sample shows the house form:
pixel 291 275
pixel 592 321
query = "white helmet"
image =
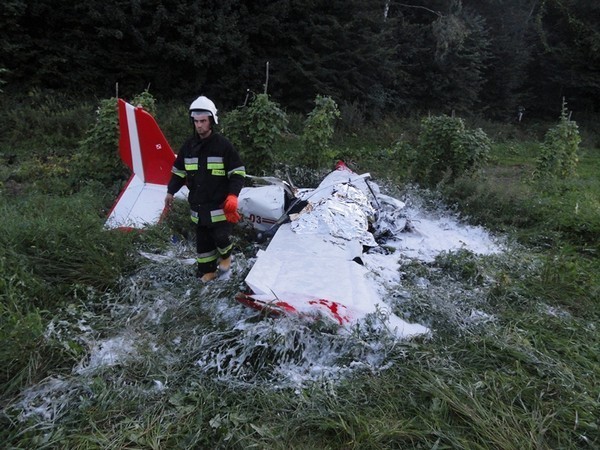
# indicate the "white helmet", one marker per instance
pixel 204 106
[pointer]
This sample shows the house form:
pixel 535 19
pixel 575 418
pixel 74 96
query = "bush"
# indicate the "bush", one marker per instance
pixel 448 150
pixel 254 129
pixel 146 100
pixel 318 132
pixel 97 158
pixel 559 158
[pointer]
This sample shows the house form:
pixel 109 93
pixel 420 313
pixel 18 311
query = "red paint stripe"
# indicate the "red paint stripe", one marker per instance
pixel 338 311
pixel 334 308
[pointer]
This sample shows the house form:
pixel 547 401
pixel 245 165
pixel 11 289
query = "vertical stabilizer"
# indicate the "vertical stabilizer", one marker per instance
pixel 142 145
pixel 145 150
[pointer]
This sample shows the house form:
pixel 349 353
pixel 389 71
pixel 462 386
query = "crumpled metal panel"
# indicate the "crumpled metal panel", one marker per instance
pixel 346 214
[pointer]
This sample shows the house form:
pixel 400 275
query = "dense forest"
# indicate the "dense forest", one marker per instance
pixel 485 57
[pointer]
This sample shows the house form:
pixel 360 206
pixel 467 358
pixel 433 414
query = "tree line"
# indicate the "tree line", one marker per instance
pixel 487 57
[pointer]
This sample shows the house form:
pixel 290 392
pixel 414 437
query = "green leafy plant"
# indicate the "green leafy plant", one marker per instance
pixel 146 100
pixel 559 157
pixel 254 129
pixel 318 131
pixel 97 158
pixel 447 149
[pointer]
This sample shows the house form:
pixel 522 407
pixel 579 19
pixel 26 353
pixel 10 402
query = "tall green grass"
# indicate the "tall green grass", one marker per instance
pixel 39 120
pixel 54 251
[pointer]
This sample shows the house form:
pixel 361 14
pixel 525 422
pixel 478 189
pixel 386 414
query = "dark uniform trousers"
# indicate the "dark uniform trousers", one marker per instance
pixel 212 242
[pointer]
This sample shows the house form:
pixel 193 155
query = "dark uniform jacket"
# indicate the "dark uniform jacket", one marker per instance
pixel 212 169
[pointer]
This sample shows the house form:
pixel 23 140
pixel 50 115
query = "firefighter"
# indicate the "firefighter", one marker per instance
pixel 213 171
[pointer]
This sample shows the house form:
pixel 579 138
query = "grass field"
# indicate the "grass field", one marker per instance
pixel 104 349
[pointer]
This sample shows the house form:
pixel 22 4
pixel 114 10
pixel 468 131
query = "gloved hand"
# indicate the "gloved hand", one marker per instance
pixel 230 209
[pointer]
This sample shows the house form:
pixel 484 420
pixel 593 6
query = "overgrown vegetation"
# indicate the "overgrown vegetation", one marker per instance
pixel 447 149
pixel 559 155
pixel 254 129
pixel 512 362
pixel 318 132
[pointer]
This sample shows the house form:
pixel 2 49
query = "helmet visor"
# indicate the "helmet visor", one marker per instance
pixel 200 113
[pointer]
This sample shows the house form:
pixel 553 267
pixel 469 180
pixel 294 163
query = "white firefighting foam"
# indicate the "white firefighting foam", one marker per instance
pixel 160 318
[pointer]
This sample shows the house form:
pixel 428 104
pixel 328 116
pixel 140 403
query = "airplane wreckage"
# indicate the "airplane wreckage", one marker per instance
pixel 313 264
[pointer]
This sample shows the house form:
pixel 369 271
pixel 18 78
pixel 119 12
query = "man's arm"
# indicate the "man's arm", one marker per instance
pixel 236 172
pixel 177 180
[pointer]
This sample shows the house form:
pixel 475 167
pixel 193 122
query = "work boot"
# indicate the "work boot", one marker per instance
pixel 225 264
pixel 208 277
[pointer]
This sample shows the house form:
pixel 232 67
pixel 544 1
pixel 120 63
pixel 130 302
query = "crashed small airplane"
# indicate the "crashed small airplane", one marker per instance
pixel 314 262
pixel 312 265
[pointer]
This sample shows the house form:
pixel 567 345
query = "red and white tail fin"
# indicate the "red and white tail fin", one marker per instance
pixel 142 145
pixel 145 150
